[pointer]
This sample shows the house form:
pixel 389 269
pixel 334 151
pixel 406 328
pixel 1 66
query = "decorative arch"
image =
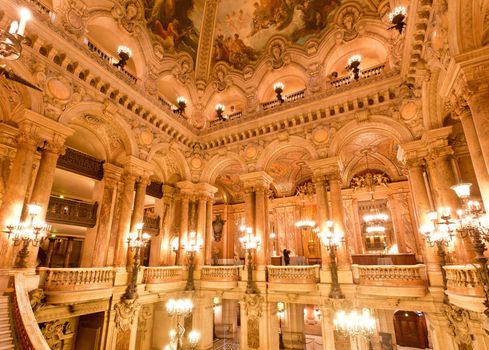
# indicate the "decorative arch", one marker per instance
pixel 278 146
pixel 169 149
pixel 377 124
pixel 98 110
pixel 215 166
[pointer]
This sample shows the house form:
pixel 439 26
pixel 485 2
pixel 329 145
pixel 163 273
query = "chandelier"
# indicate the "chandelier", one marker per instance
pixel 11 41
pixel 181 308
pixel 355 324
pixel 304 192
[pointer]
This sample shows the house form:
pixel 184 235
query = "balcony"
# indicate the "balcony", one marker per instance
pixel 71 212
pixel 219 277
pixel 293 278
pixel 163 278
pixel 401 280
pixel 71 285
pixel 464 287
pixel 81 163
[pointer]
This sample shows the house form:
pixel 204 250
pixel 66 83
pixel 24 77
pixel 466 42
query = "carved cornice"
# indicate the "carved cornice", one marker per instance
pixel 258 179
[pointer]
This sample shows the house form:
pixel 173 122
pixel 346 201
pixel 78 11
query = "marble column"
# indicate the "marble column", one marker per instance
pixel 137 215
pixel 43 185
pixel 261 228
pixel 259 324
pixel 478 102
pixel 202 316
pixel 334 180
pixel 201 255
pixel 124 225
pixel 183 227
pixel 161 245
pixel 327 328
pixel 112 175
pixel 476 155
pixel 293 326
pixel 16 188
pixel 439 328
pixel 322 213
pixel 209 237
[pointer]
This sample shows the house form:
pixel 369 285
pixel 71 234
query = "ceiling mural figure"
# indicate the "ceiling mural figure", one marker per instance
pixel 243 28
pixel 176 23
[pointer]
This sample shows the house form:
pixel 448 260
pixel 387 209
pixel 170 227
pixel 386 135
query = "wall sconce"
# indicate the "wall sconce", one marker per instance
pixel 182 103
pixel 279 88
pixel 125 54
pixel 353 64
pixel 397 17
pixel 220 110
pixel 11 40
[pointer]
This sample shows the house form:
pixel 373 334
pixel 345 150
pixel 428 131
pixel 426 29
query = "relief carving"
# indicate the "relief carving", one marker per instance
pixel 457 323
pixel 125 310
pixel 253 335
pixel 56 332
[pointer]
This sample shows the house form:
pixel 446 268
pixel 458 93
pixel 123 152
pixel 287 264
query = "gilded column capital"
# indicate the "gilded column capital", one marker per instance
pixel 138 167
pixel 328 167
pixel 112 174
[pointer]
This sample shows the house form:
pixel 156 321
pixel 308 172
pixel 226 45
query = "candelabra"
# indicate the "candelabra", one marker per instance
pixel 136 242
pixel 125 54
pixel 180 309
pixel 250 243
pixel 191 245
pixel 220 110
pixel 279 88
pixel 182 103
pixel 397 17
pixel 331 240
pixel 354 64
pixel 439 232
pixel 30 232
pixel 11 41
pixel 355 325
pixel 473 222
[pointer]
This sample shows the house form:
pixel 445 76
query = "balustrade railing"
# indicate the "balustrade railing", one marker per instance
pixel 295 96
pixel 364 74
pixel 220 273
pixel 293 274
pixel 81 163
pixel 71 212
pixel 162 274
pixel 76 279
pixel 25 326
pixel 464 280
pixel 151 224
pixel 392 275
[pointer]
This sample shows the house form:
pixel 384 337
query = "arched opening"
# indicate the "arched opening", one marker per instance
pixel 411 330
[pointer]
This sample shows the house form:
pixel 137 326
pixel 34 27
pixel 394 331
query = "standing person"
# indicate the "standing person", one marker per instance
pixel 286 253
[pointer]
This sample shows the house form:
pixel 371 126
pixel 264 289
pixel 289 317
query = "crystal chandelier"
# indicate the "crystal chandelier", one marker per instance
pixel 355 324
pixel 181 308
pixel 304 190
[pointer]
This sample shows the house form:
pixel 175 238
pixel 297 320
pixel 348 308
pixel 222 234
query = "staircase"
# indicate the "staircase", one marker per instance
pixel 6 340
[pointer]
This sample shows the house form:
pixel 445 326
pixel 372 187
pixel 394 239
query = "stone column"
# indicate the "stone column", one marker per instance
pixel 478 101
pixel 202 316
pixel 183 227
pixel 201 231
pixel 209 237
pixel 43 185
pixel 137 215
pixel 16 187
pixel 327 328
pixel 112 175
pixel 322 213
pixel 439 328
pixel 259 324
pixel 293 326
pixel 124 226
pixel 334 180
pixel 475 150
pixel 411 154
pixel 161 245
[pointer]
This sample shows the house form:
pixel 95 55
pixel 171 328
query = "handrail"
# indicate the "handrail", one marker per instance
pixel 26 328
pixel 220 273
pixel 161 274
pixel 293 274
pixel 76 279
pixel 464 280
pixel 397 274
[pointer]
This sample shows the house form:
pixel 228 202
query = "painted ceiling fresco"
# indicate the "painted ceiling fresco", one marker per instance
pixel 244 27
pixel 176 23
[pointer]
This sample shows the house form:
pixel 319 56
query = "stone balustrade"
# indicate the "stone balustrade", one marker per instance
pixel 220 273
pixel 293 274
pixel 464 280
pixel 402 280
pixel 76 279
pixel 392 275
pixel 162 274
pixel 27 331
